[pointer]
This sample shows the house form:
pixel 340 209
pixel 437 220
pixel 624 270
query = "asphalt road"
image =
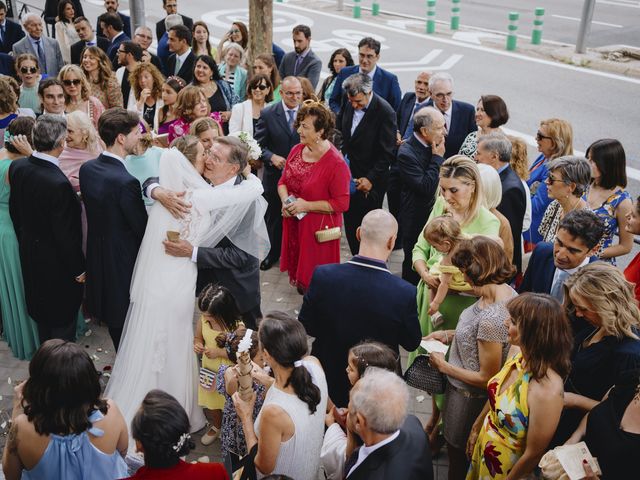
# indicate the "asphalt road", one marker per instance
pixel 615 22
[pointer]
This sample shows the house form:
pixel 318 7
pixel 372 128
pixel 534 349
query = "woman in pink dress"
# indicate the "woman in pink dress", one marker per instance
pixel 314 189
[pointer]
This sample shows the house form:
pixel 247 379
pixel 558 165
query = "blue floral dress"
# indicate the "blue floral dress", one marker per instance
pixel 607 212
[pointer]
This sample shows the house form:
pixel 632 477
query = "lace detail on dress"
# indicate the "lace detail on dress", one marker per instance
pixel 160 349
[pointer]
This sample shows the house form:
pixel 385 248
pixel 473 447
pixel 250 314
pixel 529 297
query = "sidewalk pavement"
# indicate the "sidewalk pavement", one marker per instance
pixel 277 294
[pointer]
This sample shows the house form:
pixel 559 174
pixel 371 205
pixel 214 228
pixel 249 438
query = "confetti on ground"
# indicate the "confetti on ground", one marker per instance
pixel 279 299
pixel 95 358
pixel 3 425
pixel 88 333
pixel 98 350
pixel 204 459
pixel 420 398
pixel 264 284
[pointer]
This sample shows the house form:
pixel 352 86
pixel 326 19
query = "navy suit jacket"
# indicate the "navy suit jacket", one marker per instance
pixel 186 69
pixel 274 136
pixel 6 65
pixel 112 51
pixel 126 22
pixel 405 110
pixel 161 28
pixel 116 221
pixel 419 175
pixel 408 457
pixel 385 84
pixel 12 33
pixel 77 48
pixel 513 206
pixel 352 302
pixel 463 122
pixel 539 275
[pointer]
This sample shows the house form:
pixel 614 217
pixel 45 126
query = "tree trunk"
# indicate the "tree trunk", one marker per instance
pixel 260 28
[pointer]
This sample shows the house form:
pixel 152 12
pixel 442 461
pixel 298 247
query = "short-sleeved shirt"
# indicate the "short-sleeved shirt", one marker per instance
pixel 476 323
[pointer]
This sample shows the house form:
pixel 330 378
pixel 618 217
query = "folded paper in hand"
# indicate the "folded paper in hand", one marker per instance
pixel 432 346
pixel 565 461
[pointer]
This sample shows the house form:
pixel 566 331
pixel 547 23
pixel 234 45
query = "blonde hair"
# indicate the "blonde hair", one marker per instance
pixel 519 157
pixel 561 134
pixel 610 294
pixel 443 229
pixel 465 170
pixel 201 125
pixel 23 57
pixel 188 146
pixel 79 120
pixel 85 88
pixel 491 186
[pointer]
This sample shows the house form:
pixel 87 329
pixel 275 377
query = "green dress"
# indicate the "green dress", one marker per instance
pixel 20 331
pixel 452 306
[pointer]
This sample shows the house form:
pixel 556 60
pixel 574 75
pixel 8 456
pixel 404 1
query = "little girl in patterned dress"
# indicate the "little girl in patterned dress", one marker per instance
pixel 220 315
pixel 232 437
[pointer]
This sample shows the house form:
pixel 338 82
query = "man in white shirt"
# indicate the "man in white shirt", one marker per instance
pixel 182 59
pixel 394 442
pixel 129 55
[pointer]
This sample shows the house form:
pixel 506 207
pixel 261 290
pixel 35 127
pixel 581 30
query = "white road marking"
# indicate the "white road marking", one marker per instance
pixel 595 22
pixel 620 3
pixel 446 41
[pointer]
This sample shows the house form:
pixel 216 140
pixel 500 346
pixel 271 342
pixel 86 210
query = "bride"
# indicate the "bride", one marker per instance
pixel 156 347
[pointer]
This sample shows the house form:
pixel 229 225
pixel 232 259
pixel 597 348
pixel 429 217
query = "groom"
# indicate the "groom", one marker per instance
pixel 226 264
pixel 116 220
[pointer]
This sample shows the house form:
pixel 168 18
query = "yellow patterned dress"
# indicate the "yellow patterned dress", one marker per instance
pixel 210 398
pixel 502 438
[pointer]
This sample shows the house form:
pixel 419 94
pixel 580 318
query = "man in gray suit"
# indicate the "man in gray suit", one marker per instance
pixel 45 49
pixel 302 62
pixel 226 264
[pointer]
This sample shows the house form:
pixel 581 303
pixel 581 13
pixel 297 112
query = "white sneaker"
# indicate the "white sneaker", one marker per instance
pixel 210 435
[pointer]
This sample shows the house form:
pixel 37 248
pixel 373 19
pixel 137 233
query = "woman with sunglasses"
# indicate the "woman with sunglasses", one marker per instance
pixel 237 34
pixel 29 74
pixel 245 115
pixel 266 65
pixel 77 93
pixel 555 139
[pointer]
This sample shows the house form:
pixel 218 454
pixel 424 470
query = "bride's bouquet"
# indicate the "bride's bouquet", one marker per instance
pixel 254 149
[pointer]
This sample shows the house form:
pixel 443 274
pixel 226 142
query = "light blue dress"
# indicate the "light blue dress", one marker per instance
pixel 144 167
pixel 74 457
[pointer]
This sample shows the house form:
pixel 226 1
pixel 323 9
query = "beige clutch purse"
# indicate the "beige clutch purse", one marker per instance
pixel 327 234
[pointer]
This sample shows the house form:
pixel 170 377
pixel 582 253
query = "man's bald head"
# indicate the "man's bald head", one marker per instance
pixel 377 228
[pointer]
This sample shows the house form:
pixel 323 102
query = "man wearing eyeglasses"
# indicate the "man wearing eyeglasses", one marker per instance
pixel 460 117
pixel 385 84
pixel 45 49
pixel 171 7
pixel 144 37
pixel 129 56
pixel 87 39
pixel 276 134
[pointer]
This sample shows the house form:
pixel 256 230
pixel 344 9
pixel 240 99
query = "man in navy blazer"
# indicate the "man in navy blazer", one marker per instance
pixel 385 84
pixel 495 150
pixel 116 220
pixel 11 31
pixel 368 126
pixel 359 300
pixel 395 444
pixel 460 116
pixel 179 41
pixel 551 264
pixel 87 39
pixel 111 26
pixel 111 6
pixel 171 7
pixel 419 161
pixel 276 135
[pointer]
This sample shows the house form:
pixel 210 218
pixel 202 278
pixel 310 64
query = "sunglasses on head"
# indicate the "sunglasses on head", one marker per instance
pixel 68 83
pixel 25 70
pixel 260 87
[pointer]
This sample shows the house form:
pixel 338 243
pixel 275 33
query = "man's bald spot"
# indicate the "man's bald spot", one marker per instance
pixel 292 81
pixel 378 226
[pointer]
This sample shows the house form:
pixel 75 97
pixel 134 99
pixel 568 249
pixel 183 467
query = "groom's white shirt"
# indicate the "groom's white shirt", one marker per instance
pixel 113 155
pixel 229 183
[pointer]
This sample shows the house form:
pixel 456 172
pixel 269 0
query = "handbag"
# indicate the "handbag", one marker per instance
pixel 327 234
pixel 423 376
pixel 207 378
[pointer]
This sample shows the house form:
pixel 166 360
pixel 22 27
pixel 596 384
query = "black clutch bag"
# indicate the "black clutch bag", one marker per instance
pixel 423 376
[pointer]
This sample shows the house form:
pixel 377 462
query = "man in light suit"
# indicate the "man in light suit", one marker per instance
pixel 368 126
pixel 171 7
pixel 495 150
pixel 276 135
pixel 45 49
pixel 226 264
pixel 114 228
pixel 551 264
pixel 111 26
pixel 182 59
pixel 45 212
pixel 395 445
pixel 419 161
pixel 460 117
pixel 302 62
pixel 111 6
pixel 87 39
pixel 10 31
pixel 359 300
pixel 385 84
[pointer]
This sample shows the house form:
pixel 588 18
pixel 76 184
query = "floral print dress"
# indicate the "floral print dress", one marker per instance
pixel 502 438
pixel 607 213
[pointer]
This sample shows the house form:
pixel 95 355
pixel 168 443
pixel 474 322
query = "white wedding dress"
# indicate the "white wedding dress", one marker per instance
pixel 156 350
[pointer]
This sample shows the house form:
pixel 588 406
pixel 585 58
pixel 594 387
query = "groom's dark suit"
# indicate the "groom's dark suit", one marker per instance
pixel 45 212
pixel 234 269
pixel 116 220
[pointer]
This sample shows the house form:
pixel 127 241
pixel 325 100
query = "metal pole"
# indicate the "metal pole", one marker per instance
pixel 585 25
pixel 340 5
pixel 136 8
